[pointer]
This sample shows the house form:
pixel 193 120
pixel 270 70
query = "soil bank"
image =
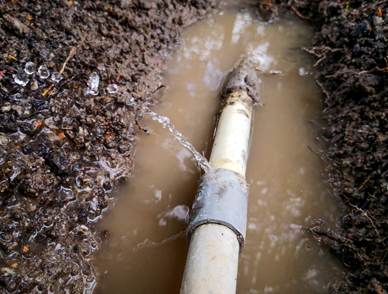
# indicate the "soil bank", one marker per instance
pixel 67 136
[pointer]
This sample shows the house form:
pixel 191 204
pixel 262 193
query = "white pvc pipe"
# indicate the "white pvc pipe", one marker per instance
pixel 230 147
pixel 211 265
pixel 212 261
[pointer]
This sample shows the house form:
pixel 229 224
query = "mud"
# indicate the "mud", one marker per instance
pixel 67 135
pixel 351 46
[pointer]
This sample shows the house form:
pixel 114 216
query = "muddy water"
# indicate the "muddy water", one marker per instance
pixel 145 250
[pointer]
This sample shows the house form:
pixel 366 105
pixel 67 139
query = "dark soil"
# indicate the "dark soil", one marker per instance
pixel 351 49
pixel 65 145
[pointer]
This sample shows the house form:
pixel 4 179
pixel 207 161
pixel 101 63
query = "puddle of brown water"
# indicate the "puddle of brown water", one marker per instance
pixel 146 249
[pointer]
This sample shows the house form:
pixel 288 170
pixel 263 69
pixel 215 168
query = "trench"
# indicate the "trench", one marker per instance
pixel 145 247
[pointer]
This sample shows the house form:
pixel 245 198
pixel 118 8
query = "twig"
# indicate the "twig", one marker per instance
pixel 157 89
pixel 318 155
pixel 320 52
pixel 363 184
pixel 72 53
pixel 319 60
pixel 374 5
pixel 374 70
pixel 48 89
pixel 141 128
pixel 365 214
pixel 300 15
pixel 322 88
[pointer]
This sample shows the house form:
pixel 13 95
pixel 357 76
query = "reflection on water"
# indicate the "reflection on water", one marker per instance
pixel 146 248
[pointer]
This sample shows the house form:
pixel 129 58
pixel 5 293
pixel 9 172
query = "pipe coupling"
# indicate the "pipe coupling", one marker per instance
pixel 222 198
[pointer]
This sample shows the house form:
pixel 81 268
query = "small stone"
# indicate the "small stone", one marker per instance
pixel 43 72
pixel 3 140
pixel 34 85
pixel 6 271
pixel 21 79
pixel 30 206
pixel 30 68
pixel 112 88
pixel 6 107
pixel 56 76
pixel 19 109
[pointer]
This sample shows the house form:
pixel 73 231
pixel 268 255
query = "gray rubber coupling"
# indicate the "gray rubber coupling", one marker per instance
pixel 222 198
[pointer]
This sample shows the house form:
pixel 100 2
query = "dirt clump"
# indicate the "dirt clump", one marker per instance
pixel 73 75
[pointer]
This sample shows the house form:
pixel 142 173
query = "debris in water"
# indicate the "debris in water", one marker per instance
pixel 48 90
pixel 56 76
pixel 43 72
pixel 30 68
pixel 112 88
pixel 21 79
pixel 93 82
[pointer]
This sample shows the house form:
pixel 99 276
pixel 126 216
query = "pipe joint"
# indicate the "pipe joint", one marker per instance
pixel 222 198
pixel 242 78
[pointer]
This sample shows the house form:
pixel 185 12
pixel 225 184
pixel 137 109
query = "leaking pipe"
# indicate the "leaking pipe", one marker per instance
pixel 218 219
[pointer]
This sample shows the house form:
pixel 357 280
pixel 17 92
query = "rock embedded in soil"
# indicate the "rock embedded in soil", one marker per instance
pixel 63 153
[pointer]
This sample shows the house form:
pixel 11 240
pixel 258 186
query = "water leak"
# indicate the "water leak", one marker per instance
pixel 201 160
pixel 145 250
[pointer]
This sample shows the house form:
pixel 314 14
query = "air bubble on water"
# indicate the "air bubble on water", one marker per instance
pixel 56 76
pixel 112 88
pixel 21 79
pixel 302 71
pixel 30 68
pixel 43 72
pixel 93 82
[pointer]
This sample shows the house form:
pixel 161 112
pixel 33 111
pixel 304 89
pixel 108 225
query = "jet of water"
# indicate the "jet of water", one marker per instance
pixel 165 121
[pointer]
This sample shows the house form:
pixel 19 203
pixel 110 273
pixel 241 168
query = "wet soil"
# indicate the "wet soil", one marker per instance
pixel 147 223
pixel 67 138
pixel 351 47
